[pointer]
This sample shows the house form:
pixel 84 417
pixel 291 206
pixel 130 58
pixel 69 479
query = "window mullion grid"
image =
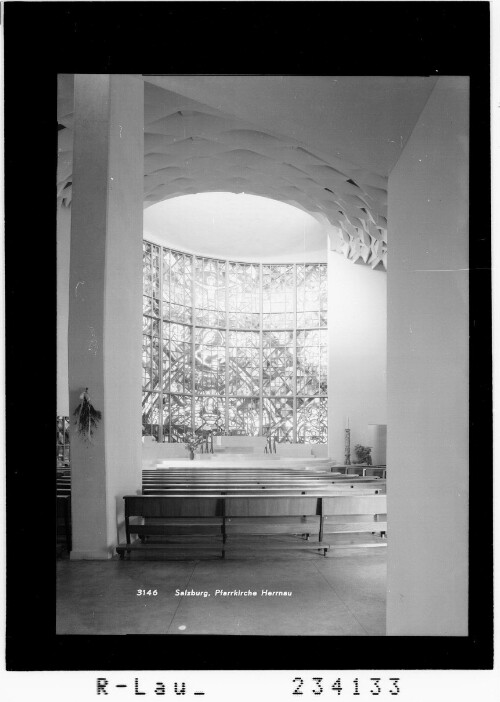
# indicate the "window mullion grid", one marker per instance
pixel 165 382
pixel 169 387
pixel 161 433
pixel 226 379
pixel 324 271
pixel 193 343
pixel 261 351
pixel 169 396
pixel 154 393
pixel 151 354
pixel 294 382
pixel 146 387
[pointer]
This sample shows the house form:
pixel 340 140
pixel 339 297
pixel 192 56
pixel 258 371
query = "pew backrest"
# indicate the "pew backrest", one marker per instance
pixel 252 505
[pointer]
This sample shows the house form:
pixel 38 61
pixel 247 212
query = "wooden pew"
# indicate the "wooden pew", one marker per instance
pixel 240 475
pixel 158 489
pixel 235 466
pixel 230 469
pixel 224 522
pixel 63 519
pixel 257 480
pixel 264 470
pixel 230 482
pixel 284 491
pixel 149 487
pixel 63 506
pixel 361 470
pixel 63 489
pixel 379 471
pixel 228 485
pixel 189 477
pixel 253 477
pixel 354 515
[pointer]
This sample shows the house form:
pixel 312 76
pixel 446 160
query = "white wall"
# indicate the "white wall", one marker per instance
pixel 63 247
pixel 427 449
pixel 357 351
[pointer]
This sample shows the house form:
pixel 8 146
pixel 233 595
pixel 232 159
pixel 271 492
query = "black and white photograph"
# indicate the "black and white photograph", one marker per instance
pixel 232 234
pixel 268 381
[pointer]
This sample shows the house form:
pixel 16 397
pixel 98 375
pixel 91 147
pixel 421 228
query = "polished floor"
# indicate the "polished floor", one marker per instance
pixel 340 595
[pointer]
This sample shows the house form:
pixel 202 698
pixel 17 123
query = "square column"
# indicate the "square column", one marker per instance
pixel 105 304
pixel 428 380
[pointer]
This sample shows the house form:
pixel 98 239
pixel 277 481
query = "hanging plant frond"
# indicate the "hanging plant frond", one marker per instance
pixel 87 417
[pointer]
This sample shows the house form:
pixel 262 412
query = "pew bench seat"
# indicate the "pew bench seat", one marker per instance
pixel 63 520
pixel 232 523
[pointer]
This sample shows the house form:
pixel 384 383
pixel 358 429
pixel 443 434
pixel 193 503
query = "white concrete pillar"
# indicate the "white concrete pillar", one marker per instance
pixel 105 308
pixel 427 437
pixel 357 328
pixel 63 252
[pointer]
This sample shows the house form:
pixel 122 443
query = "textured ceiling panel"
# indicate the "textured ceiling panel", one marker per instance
pixel 191 148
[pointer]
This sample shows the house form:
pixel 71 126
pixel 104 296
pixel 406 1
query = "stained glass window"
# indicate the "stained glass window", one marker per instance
pixel 312 418
pixel 312 353
pixel 210 361
pixel 150 362
pixel 177 286
pixel 243 295
pixel 155 363
pixel 151 270
pixel 231 347
pixel 277 418
pixel 210 414
pixel 278 291
pixel 180 357
pixel 151 414
pixel 210 292
pixel 180 415
pixel 62 442
pixel 146 362
pixel 244 362
pixel 150 320
pixel 277 363
pixel 244 416
pixel 312 285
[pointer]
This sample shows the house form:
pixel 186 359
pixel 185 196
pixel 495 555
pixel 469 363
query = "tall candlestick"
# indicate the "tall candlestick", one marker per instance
pixel 347 449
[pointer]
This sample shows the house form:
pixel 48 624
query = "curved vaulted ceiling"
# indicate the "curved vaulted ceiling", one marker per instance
pixel 192 147
pixel 239 227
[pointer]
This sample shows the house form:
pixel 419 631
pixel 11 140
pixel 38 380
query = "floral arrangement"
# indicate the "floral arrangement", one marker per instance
pixel 363 454
pixel 87 417
pixel 192 442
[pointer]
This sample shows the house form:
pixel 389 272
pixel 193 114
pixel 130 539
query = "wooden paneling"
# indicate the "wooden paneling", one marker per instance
pixel 355 527
pixel 355 504
pixel 167 506
pixel 271 506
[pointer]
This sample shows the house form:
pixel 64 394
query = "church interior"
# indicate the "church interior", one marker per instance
pixel 262 355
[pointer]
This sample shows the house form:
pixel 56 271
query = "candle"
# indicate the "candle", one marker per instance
pixel 347 447
pixel 347 423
